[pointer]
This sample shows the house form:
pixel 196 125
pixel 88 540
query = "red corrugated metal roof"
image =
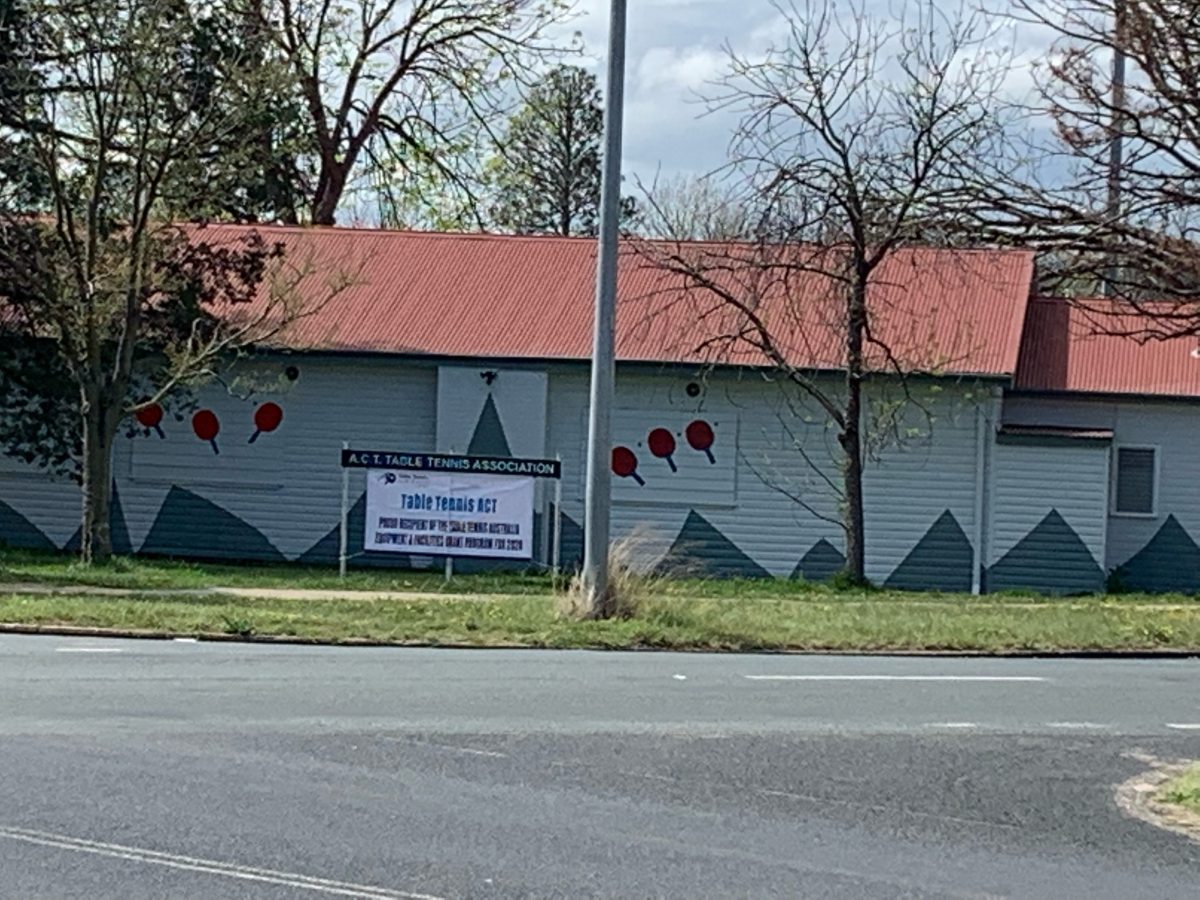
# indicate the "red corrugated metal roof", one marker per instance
pixel 1085 346
pixel 475 295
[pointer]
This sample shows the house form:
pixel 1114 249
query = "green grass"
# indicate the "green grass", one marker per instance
pixel 663 622
pixel 1184 790
pixel 142 574
pixel 520 610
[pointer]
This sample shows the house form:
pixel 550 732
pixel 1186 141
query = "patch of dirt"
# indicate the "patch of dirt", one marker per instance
pixel 1138 797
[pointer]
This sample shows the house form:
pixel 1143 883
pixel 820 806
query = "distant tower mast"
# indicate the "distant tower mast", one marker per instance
pixel 1116 150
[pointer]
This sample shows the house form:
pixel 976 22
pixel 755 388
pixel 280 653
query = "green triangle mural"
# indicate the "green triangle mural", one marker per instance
pixel 1051 559
pixel 326 550
pixel 941 560
pixel 570 542
pixel 1170 562
pixel 489 438
pixel 118 532
pixel 702 549
pixel 820 563
pixel 18 531
pixel 190 526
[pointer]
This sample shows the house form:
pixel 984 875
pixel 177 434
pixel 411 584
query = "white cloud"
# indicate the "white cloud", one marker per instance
pixel 676 48
pixel 675 69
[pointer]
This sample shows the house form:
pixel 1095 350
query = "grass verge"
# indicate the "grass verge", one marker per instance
pixel 146 574
pixel 851 622
pixel 1183 790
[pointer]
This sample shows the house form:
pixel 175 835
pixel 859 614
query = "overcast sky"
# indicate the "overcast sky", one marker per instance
pixel 675 49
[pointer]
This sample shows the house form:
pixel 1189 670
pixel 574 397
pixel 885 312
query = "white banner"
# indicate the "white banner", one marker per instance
pixel 449 514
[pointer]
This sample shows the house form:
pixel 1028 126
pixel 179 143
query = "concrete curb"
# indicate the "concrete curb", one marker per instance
pixel 297 640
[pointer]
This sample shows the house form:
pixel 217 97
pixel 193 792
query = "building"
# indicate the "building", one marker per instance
pixel 1037 455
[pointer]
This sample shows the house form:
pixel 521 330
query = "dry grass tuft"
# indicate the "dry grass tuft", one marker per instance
pixel 633 580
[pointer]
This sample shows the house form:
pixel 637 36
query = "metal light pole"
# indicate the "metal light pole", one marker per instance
pixel 598 496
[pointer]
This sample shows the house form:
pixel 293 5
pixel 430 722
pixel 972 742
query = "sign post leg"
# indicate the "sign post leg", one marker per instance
pixel 343 531
pixel 556 557
pixel 449 568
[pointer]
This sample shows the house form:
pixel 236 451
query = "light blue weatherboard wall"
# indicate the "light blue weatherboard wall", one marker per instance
pixel 1159 552
pixel 725 510
pixel 759 506
pixel 920 510
pixel 275 499
pixel 1048 509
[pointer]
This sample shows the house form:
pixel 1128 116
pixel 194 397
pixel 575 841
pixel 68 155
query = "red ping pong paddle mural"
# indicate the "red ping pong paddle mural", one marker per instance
pixel 662 444
pixel 266 419
pixel 625 464
pixel 151 416
pixel 700 437
pixel 207 426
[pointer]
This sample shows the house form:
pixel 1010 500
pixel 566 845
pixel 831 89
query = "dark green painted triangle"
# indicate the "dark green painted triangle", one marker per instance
pixel 702 550
pixel 117 529
pixel 1051 559
pixel 188 525
pixel 820 563
pixel 489 438
pixel 570 542
pixel 18 531
pixel 328 548
pixel 941 560
pixel 1170 562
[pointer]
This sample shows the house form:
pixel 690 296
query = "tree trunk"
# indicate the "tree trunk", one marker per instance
pixel 852 514
pixel 99 430
pixel 851 438
pixel 332 185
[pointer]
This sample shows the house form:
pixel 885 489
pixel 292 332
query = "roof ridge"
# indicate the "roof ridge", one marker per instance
pixel 565 239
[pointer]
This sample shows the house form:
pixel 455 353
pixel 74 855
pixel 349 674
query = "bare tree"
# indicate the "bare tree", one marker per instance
pixel 389 81
pixel 105 305
pixel 692 208
pixel 1109 193
pixel 854 142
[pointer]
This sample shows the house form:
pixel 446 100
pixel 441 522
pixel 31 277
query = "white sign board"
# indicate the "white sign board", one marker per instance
pixel 449 514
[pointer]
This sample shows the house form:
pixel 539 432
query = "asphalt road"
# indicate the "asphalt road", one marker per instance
pixel 171 769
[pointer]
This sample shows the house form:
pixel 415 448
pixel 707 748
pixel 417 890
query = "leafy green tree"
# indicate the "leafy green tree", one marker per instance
pixel 105 304
pixel 265 169
pixel 547 169
pixel 387 84
pixel 19 184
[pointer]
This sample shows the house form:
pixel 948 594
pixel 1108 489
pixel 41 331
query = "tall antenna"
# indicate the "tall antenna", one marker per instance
pixel 1116 149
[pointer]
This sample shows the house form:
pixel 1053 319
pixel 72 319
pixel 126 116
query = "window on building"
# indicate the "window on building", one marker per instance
pixel 1135 481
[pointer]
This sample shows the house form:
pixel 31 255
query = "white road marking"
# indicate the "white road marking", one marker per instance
pixel 953 724
pixel 88 649
pixel 648 775
pixel 1184 726
pixel 679 677
pixel 208 866
pixel 893 678
pixel 184 640
pixel 1077 725
pixel 470 750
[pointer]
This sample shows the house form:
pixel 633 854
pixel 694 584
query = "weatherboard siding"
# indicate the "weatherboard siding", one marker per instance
pixel 782 518
pixel 273 499
pixel 1048 512
pixel 760 505
pixel 1170 558
pixel 1158 552
pixel 37 510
